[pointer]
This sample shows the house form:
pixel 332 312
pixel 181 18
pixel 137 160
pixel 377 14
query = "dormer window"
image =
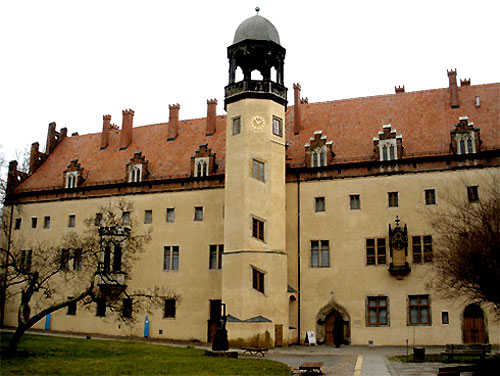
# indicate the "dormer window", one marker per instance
pixel 71 179
pixel 203 162
pixel 201 166
pixel 388 146
pixel 318 151
pixel 135 173
pixel 465 138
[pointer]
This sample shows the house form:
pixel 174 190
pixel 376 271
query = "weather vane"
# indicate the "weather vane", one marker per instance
pixel 257 9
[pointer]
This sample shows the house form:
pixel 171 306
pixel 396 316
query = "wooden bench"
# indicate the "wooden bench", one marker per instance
pixel 467 349
pixel 311 368
pixel 254 350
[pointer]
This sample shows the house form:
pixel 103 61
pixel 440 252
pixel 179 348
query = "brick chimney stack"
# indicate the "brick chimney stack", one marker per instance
pixel 54 138
pixel 297 120
pixel 465 82
pixel 126 132
pixel 211 116
pixel 399 89
pixel 173 121
pixel 106 127
pixel 452 76
pixel 34 157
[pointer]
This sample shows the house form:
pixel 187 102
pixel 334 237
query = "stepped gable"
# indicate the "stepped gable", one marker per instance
pixel 423 118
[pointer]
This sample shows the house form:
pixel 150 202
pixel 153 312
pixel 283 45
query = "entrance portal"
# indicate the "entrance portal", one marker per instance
pixel 474 329
pixel 333 325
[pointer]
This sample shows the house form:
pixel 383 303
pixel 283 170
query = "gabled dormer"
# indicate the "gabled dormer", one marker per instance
pixel 388 146
pixel 465 138
pixel 203 162
pixel 73 175
pixel 137 169
pixel 319 151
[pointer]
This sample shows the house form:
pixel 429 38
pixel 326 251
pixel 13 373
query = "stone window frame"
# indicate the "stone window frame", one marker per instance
pixel 171 258
pixel 320 204
pixel 258 279
pixel 355 202
pixel 430 196
pixel 71 179
pixel 203 162
pixel 319 252
pixel 377 307
pixel 277 126
pixel 73 175
pixel 376 253
pixel 419 307
pixel 389 141
pixel 258 228
pixel 465 138
pixel 318 151
pixel 135 173
pixel 201 165
pixel 422 249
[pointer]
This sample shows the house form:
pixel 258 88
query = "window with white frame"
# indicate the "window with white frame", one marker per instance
pixel 277 126
pixel 388 150
pixel 465 143
pixel 320 253
pixel 171 257
pixel 135 173
pixel 71 179
pixel 201 167
pixel 318 157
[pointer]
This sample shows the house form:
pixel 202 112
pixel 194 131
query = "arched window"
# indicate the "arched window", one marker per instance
pixel 201 167
pixel 135 173
pixel 465 143
pixel 71 179
pixel 318 157
pixel 388 149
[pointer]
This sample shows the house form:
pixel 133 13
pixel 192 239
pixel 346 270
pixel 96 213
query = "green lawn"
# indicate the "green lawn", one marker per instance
pixel 41 355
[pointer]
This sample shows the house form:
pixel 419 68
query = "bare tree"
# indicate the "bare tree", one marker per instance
pixel 467 260
pixel 89 267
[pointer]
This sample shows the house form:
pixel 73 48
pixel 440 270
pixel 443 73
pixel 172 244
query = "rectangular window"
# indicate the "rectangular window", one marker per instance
pixel 71 307
pixel 148 216
pixel 430 197
pixel 71 220
pixel 258 229
pixel 422 248
pixel 319 204
pixel 169 309
pixel 25 260
pixel 34 221
pixel 320 253
pixel 376 251
pixel 198 213
pixel 126 218
pixel 170 214
pixel 215 256
pixel 377 311
pixel 393 199
pixel 473 193
pixel 127 308
pixel 236 125
pixel 277 126
pixel 77 259
pixel 46 222
pixel 258 280
pixel 101 307
pixel 64 259
pixel 17 225
pixel 171 257
pixel 258 170
pixel 419 310
pixel 445 319
pixel 98 219
pixel 354 202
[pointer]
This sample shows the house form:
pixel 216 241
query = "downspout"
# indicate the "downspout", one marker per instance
pixel 298 256
pixel 4 284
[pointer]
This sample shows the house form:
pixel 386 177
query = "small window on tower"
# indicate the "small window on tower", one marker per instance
pixel 237 125
pixel 258 229
pixel 319 204
pixel 258 280
pixel 258 170
pixel 277 126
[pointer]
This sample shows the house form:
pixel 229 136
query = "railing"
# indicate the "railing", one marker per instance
pixel 255 86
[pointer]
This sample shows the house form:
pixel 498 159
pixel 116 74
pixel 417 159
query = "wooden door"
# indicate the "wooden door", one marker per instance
pixel 212 327
pixel 474 330
pixel 329 329
pixel 278 335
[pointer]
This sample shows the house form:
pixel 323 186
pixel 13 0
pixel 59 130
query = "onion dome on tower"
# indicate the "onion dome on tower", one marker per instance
pixel 256 46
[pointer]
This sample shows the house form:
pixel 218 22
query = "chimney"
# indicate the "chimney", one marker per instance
pixel 54 138
pixel 399 89
pixel 106 126
pixel 34 157
pixel 297 121
pixel 173 121
pixel 452 76
pixel 465 82
pixel 126 132
pixel 211 116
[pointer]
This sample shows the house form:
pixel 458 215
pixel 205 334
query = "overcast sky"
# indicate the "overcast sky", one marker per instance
pixel 74 61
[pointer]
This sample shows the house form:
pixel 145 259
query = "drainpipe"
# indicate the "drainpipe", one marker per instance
pixel 298 255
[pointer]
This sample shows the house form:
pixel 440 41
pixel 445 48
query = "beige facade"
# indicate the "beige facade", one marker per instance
pixel 296 202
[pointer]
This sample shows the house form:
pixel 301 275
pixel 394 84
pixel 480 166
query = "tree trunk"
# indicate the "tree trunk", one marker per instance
pixel 14 341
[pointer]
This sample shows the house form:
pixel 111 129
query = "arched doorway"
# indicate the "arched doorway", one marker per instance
pixel 474 330
pixel 333 325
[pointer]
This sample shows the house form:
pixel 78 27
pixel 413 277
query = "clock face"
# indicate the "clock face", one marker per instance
pixel 258 122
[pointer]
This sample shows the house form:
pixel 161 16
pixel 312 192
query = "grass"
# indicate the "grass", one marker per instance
pixel 42 355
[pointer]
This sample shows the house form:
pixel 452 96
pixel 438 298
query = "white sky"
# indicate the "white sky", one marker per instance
pixel 73 61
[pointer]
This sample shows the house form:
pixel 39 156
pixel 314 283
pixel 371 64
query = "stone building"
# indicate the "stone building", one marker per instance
pixel 301 218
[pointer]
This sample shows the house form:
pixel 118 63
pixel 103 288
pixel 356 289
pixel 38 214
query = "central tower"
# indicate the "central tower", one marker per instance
pixel 254 276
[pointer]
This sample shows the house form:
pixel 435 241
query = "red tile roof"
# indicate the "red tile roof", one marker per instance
pixel 424 119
